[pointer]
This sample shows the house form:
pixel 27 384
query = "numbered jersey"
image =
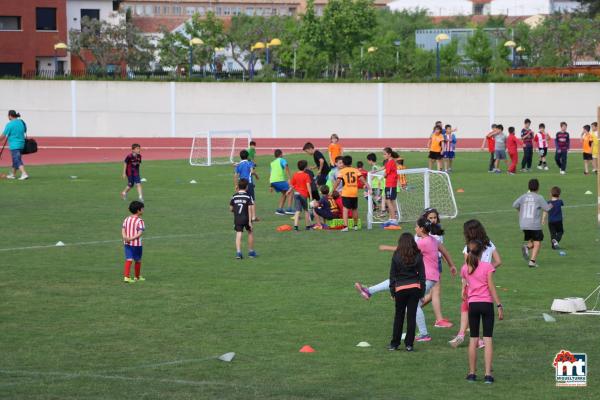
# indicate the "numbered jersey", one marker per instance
pixel 530 206
pixel 241 203
pixel 350 176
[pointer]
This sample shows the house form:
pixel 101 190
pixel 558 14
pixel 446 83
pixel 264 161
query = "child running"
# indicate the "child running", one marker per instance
pixel 334 148
pixel 474 230
pixel 280 175
pixel 131 172
pixel 407 286
pixel 481 295
pixel 555 217
pixel 241 206
pixel 132 230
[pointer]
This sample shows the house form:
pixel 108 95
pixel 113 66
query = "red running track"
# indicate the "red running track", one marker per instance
pixel 68 150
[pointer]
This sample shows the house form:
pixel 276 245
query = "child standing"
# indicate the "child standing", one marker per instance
pixel 512 145
pixel 377 184
pixel 563 143
pixel 527 140
pixel 499 147
pixel 131 231
pixel 131 172
pixel 541 139
pixel 530 207
pixel 434 145
pixel 449 147
pixel 555 217
pixel 246 170
pixel 491 145
pixel 391 185
pixel 350 177
pixel 300 184
pixel 481 293
pixel 252 151
pixel 407 286
pixel 241 206
pixel 595 146
pixel 334 148
pixel 280 175
pixel 587 144
pixel 321 165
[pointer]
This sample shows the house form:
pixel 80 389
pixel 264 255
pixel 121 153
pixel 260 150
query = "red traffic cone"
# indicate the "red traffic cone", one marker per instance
pixel 460 190
pixel 307 349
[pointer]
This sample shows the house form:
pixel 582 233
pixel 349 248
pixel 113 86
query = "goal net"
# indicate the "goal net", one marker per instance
pixel 218 147
pixel 418 189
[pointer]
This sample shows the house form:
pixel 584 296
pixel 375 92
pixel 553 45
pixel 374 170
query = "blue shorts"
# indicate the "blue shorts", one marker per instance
pixel 280 186
pixel 448 154
pixel 133 252
pixel 16 158
pixel 133 180
pixel 250 190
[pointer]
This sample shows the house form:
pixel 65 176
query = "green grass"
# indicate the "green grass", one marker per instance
pixel 70 329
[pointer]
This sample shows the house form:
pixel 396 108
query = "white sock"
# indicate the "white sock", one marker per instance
pixel 380 287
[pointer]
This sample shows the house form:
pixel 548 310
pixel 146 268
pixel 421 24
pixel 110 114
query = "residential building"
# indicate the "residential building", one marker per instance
pixel 29 29
pixel 486 7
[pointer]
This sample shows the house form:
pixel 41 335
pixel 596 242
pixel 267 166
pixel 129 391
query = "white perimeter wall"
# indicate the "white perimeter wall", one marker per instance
pixel 288 110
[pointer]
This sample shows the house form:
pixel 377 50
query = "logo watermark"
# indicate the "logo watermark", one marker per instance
pixel 571 368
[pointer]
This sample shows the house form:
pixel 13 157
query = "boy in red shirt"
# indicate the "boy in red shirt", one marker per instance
pixel 391 184
pixel 491 145
pixel 512 144
pixel 300 185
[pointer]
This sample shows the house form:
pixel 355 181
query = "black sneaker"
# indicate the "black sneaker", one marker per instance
pixel 279 211
pixel 409 348
pixel 391 347
pixel 471 378
pixel 488 379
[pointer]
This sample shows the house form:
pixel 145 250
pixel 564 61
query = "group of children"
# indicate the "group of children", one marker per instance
pixel 499 145
pixel 442 146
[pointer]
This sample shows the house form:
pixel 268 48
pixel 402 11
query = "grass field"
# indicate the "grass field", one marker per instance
pixel 70 329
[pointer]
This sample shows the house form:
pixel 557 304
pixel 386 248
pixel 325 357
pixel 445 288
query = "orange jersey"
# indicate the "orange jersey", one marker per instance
pixel 436 143
pixel 335 150
pixel 401 176
pixel 350 176
pixel 587 142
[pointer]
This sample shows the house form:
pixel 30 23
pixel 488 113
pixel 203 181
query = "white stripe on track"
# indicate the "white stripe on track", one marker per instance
pixel 514 210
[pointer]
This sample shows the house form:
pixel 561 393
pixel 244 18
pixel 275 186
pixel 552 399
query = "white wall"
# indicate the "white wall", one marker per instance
pixel 360 110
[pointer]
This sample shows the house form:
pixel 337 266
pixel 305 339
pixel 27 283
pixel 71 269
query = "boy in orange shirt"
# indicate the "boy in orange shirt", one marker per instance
pixel 350 177
pixel 300 185
pixel 435 147
pixel 335 150
pixel 587 140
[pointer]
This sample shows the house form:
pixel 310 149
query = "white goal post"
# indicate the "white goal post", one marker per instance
pixel 218 147
pixel 419 188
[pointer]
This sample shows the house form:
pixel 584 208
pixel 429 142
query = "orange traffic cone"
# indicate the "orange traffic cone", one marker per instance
pixel 307 349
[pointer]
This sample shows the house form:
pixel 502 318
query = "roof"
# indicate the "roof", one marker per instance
pixel 481 19
pixel 156 24
pixel 240 2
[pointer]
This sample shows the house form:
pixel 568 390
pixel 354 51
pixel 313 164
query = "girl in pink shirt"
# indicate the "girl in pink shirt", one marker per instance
pixel 481 294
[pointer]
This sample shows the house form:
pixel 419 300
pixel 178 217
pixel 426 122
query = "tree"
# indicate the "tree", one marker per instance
pixel 479 50
pixel 449 58
pixel 591 6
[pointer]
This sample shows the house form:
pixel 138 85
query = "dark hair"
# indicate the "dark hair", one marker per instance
pixel 335 194
pixel 493 126
pixel 437 128
pixel 359 164
pixel 372 157
pixel 135 206
pixel 333 135
pixel 388 150
pixel 424 224
pixel 475 248
pixel 407 248
pixel 542 125
pixel 338 158
pixel 533 185
pixel 400 161
pixel 474 230
pixel 511 129
pixel 500 126
pixel 278 153
pixel 436 229
pixel 347 161
pixel 252 143
pixel 555 191
pixel 302 165
pixel 563 123
pixel 394 154
pixel 243 184
pixel 586 128
pixel 448 126
pixel 135 146
pixel 324 189
pixel 308 146
pixel 527 121
pixel 244 154
pixel 14 114
pixel 594 123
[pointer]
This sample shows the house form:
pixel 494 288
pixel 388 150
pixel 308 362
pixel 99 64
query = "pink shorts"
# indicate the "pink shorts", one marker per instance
pixel 464 307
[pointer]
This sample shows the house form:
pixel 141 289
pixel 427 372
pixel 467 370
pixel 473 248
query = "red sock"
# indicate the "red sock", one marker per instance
pixel 127 268
pixel 138 268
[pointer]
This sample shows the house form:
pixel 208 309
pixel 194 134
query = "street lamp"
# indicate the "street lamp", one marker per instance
pixel 438 39
pixel 511 45
pixel 397 43
pixel 214 60
pixel 58 46
pixel 520 51
pixel 273 43
pixel 255 46
pixel 295 47
pixel 193 42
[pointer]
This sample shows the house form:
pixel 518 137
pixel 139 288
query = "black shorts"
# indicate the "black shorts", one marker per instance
pixel 435 155
pixel 536 236
pixel 391 193
pixel 241 227
pixel 543 151
pixel 300 203
pixel 351 203
pixel 321 179
pixel 328 215
pixel 587 156
pixel 481 312
pixel 250 190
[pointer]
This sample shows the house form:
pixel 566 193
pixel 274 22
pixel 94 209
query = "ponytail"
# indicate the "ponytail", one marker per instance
pixel 13 114
pixel 475 248
pixel 425 224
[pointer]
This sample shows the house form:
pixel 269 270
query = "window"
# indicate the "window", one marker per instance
pixel 148 10
pixel 116 5
pixel 249 11
pixel 259 11
pixel 177 10
pixel 11 69
pixel 91 14
pixel 45 19
pixel 267 12
pixel 166 10
pixel 139 10
pixel 226 11
pixel 157 10
pixel 190 10
pixel 218 11
pixel 237 10
pixel 201 10
pixel 10 23
pixel 478 9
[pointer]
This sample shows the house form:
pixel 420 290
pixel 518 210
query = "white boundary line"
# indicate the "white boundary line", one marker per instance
pixel 514 210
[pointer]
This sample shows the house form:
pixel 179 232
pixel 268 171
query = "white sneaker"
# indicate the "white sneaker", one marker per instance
pixel 562 172
pixel 345 229
pixel 23 177
pixel 540 167
pixel 356 228
pixel 546 168
pixel 10 176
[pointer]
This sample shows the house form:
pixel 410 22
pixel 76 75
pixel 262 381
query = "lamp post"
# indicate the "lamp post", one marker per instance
pixel 520 51
pixel 58 46
pixel 273 43
pixel 397 44
pixel 255 46
pixel 214 60
pixel 438 39
pixel 295 47
pixel 510 44
pixel 370 50
pixel 193 42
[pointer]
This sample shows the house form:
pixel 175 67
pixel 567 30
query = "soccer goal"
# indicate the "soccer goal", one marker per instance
pixel 218 147
pixel 420 188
